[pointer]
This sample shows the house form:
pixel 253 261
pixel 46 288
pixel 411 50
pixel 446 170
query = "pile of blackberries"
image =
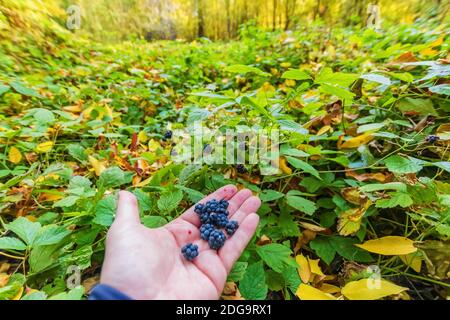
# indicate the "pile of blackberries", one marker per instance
pixel 213 217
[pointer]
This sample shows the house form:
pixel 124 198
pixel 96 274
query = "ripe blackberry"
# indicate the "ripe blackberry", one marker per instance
pixel 431 138
pixel 205 218
pixel 219 220
pixel 241 168
pixel 199 208
pixel 216 239
pixel 190 251
pixel 206 230
pixel 223 203
pixel 167 135
pixel 231 227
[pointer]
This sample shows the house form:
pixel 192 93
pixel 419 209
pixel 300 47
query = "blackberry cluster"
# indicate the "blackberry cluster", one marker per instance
pixel 213 217
pixel 190 251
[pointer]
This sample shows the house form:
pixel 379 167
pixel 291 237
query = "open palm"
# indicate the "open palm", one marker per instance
pixel 147 263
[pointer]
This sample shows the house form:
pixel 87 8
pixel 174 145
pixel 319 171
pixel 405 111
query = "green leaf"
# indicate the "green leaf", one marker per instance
pixel 423 107
pixel 193 195
pixel 337 91
pixel 74 294
pixel 8 243
pixel 10 291
pixel 4 88
pixel 19 88
pixel 441 89
pixel 111 178
pixel 42 257
pixel 288 226
pixel 323 248
pixel 77 152
pixel 25 229
pixel 43 116
pixel 402 165
pixel 253 284
pixel 237 272
pixel 403 76
pixel 443 165
pixel 37 295
pixel 169 200
pixel 345 247
pixel 370 127
pixel 270 195
pixel 397 199
pixel 301 204
pixel 377 78
pixel 275 255
pixel 50 234
pixel 296 74
pixel 292 278
pixel 285 150
pixel 105 210
pixel 327 76
pixel 66 202
pixel 399 186
pixel 291 126
pixel 306 167
pixel 153 221
pixel 240 68
pixel 82 257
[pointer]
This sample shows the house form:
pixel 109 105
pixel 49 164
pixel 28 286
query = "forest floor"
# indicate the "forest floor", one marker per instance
pixel 362 192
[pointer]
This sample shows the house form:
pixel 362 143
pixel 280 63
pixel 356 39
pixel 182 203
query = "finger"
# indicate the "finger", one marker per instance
pixel 250 205
pixel 211 265
pixel 225 192
pixel 233 247
pixel 184 232
pixel 237 200
pixel 127 212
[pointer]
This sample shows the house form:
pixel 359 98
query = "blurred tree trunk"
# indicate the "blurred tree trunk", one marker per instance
pixel 274 15
pixel 227 10
pixel 200 20
pixel 289 10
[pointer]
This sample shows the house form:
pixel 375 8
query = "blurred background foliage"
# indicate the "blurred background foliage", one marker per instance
pixel 117 20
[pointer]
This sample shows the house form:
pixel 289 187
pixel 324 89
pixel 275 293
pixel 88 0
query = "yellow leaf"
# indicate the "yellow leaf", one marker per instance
pixel 314 267
pixel 413 261
pixel 97 165
pixel 350 221
pixel 304 271
pixel 18 295
pixel 329 288
pixel 323 130
pixel 306 292
pixel 370 289
pixel 389 246
pixel 142 137
pixel 44 147
pixel 4 278
pixel 284 167
pixel 356 141
pixel 429 52
pixel 14 155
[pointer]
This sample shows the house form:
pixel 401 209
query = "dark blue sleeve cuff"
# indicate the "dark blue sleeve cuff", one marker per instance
pixel 105 292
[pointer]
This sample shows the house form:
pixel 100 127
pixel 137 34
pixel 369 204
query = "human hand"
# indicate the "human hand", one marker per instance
pixel 147 263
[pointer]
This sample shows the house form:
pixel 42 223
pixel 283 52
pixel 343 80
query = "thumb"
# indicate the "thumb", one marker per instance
pixel 127 209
